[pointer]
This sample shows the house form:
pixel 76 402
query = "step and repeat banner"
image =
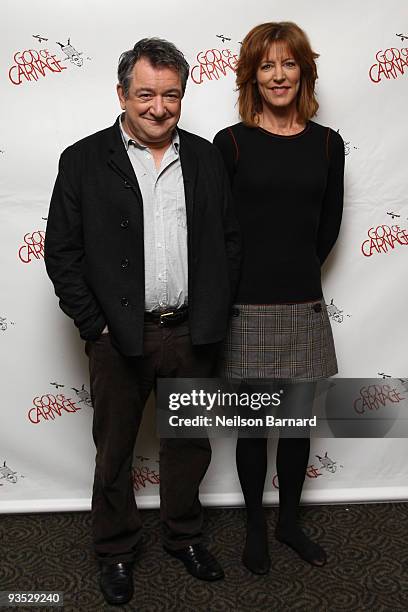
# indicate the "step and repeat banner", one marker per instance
pixel 58 76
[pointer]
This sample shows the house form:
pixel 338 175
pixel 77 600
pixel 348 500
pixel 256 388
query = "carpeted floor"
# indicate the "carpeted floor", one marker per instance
pixel 367 546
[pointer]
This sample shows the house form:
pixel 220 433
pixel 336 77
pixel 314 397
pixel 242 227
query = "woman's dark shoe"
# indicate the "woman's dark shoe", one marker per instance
pixel 296 539
pixel 256 555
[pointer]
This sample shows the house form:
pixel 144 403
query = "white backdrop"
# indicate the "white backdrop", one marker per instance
pixel 58 76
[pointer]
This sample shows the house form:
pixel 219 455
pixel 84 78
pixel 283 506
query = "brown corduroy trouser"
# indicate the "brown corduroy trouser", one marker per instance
pixel 120 387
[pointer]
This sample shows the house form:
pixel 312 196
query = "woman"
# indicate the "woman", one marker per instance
pixel 286 173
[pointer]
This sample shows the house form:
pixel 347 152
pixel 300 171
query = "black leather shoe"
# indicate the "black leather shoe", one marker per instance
pixel 116 582
pixel 199 562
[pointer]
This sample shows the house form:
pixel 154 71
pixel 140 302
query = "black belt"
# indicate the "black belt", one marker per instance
pixel 168 318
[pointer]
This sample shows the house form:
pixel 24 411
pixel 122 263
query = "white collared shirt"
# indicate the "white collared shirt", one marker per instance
pixel 165 223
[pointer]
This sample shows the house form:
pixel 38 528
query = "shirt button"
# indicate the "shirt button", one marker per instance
pixel 124 301
pixel 124 223
pixel 124 262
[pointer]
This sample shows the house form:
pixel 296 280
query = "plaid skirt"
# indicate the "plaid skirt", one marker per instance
pixel 289 341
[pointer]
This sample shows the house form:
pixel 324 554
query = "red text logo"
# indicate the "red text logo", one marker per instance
pixel 383 238
pixel 213 64
pixel 49 406
pixel 33 246
pixel 390 63
pixel 29 65
pixel 311 472
pixel 376 396
pixel 143 475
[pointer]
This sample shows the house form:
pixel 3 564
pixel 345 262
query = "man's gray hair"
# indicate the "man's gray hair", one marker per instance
pixel 158 52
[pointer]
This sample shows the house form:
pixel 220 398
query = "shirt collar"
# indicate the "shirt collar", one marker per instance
pixel 129 141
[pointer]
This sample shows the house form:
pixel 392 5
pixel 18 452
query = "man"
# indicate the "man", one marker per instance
pixel 143 251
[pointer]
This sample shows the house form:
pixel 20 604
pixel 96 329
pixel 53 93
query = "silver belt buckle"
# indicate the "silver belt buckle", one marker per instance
pixel 163 315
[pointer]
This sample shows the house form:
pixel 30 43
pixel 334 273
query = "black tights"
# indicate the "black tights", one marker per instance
pixel 291 463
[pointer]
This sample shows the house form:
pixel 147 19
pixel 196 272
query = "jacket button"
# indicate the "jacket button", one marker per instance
pixel 124 301
pixel 317 307
pixel 124 223
pixel 124 262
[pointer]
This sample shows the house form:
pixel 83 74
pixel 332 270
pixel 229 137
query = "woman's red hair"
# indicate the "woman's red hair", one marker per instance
pixel 254 47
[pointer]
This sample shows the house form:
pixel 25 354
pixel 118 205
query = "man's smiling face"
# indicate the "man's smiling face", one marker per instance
pixel 153 103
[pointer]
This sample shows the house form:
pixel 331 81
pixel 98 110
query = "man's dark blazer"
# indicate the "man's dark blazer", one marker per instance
pixel 94 251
